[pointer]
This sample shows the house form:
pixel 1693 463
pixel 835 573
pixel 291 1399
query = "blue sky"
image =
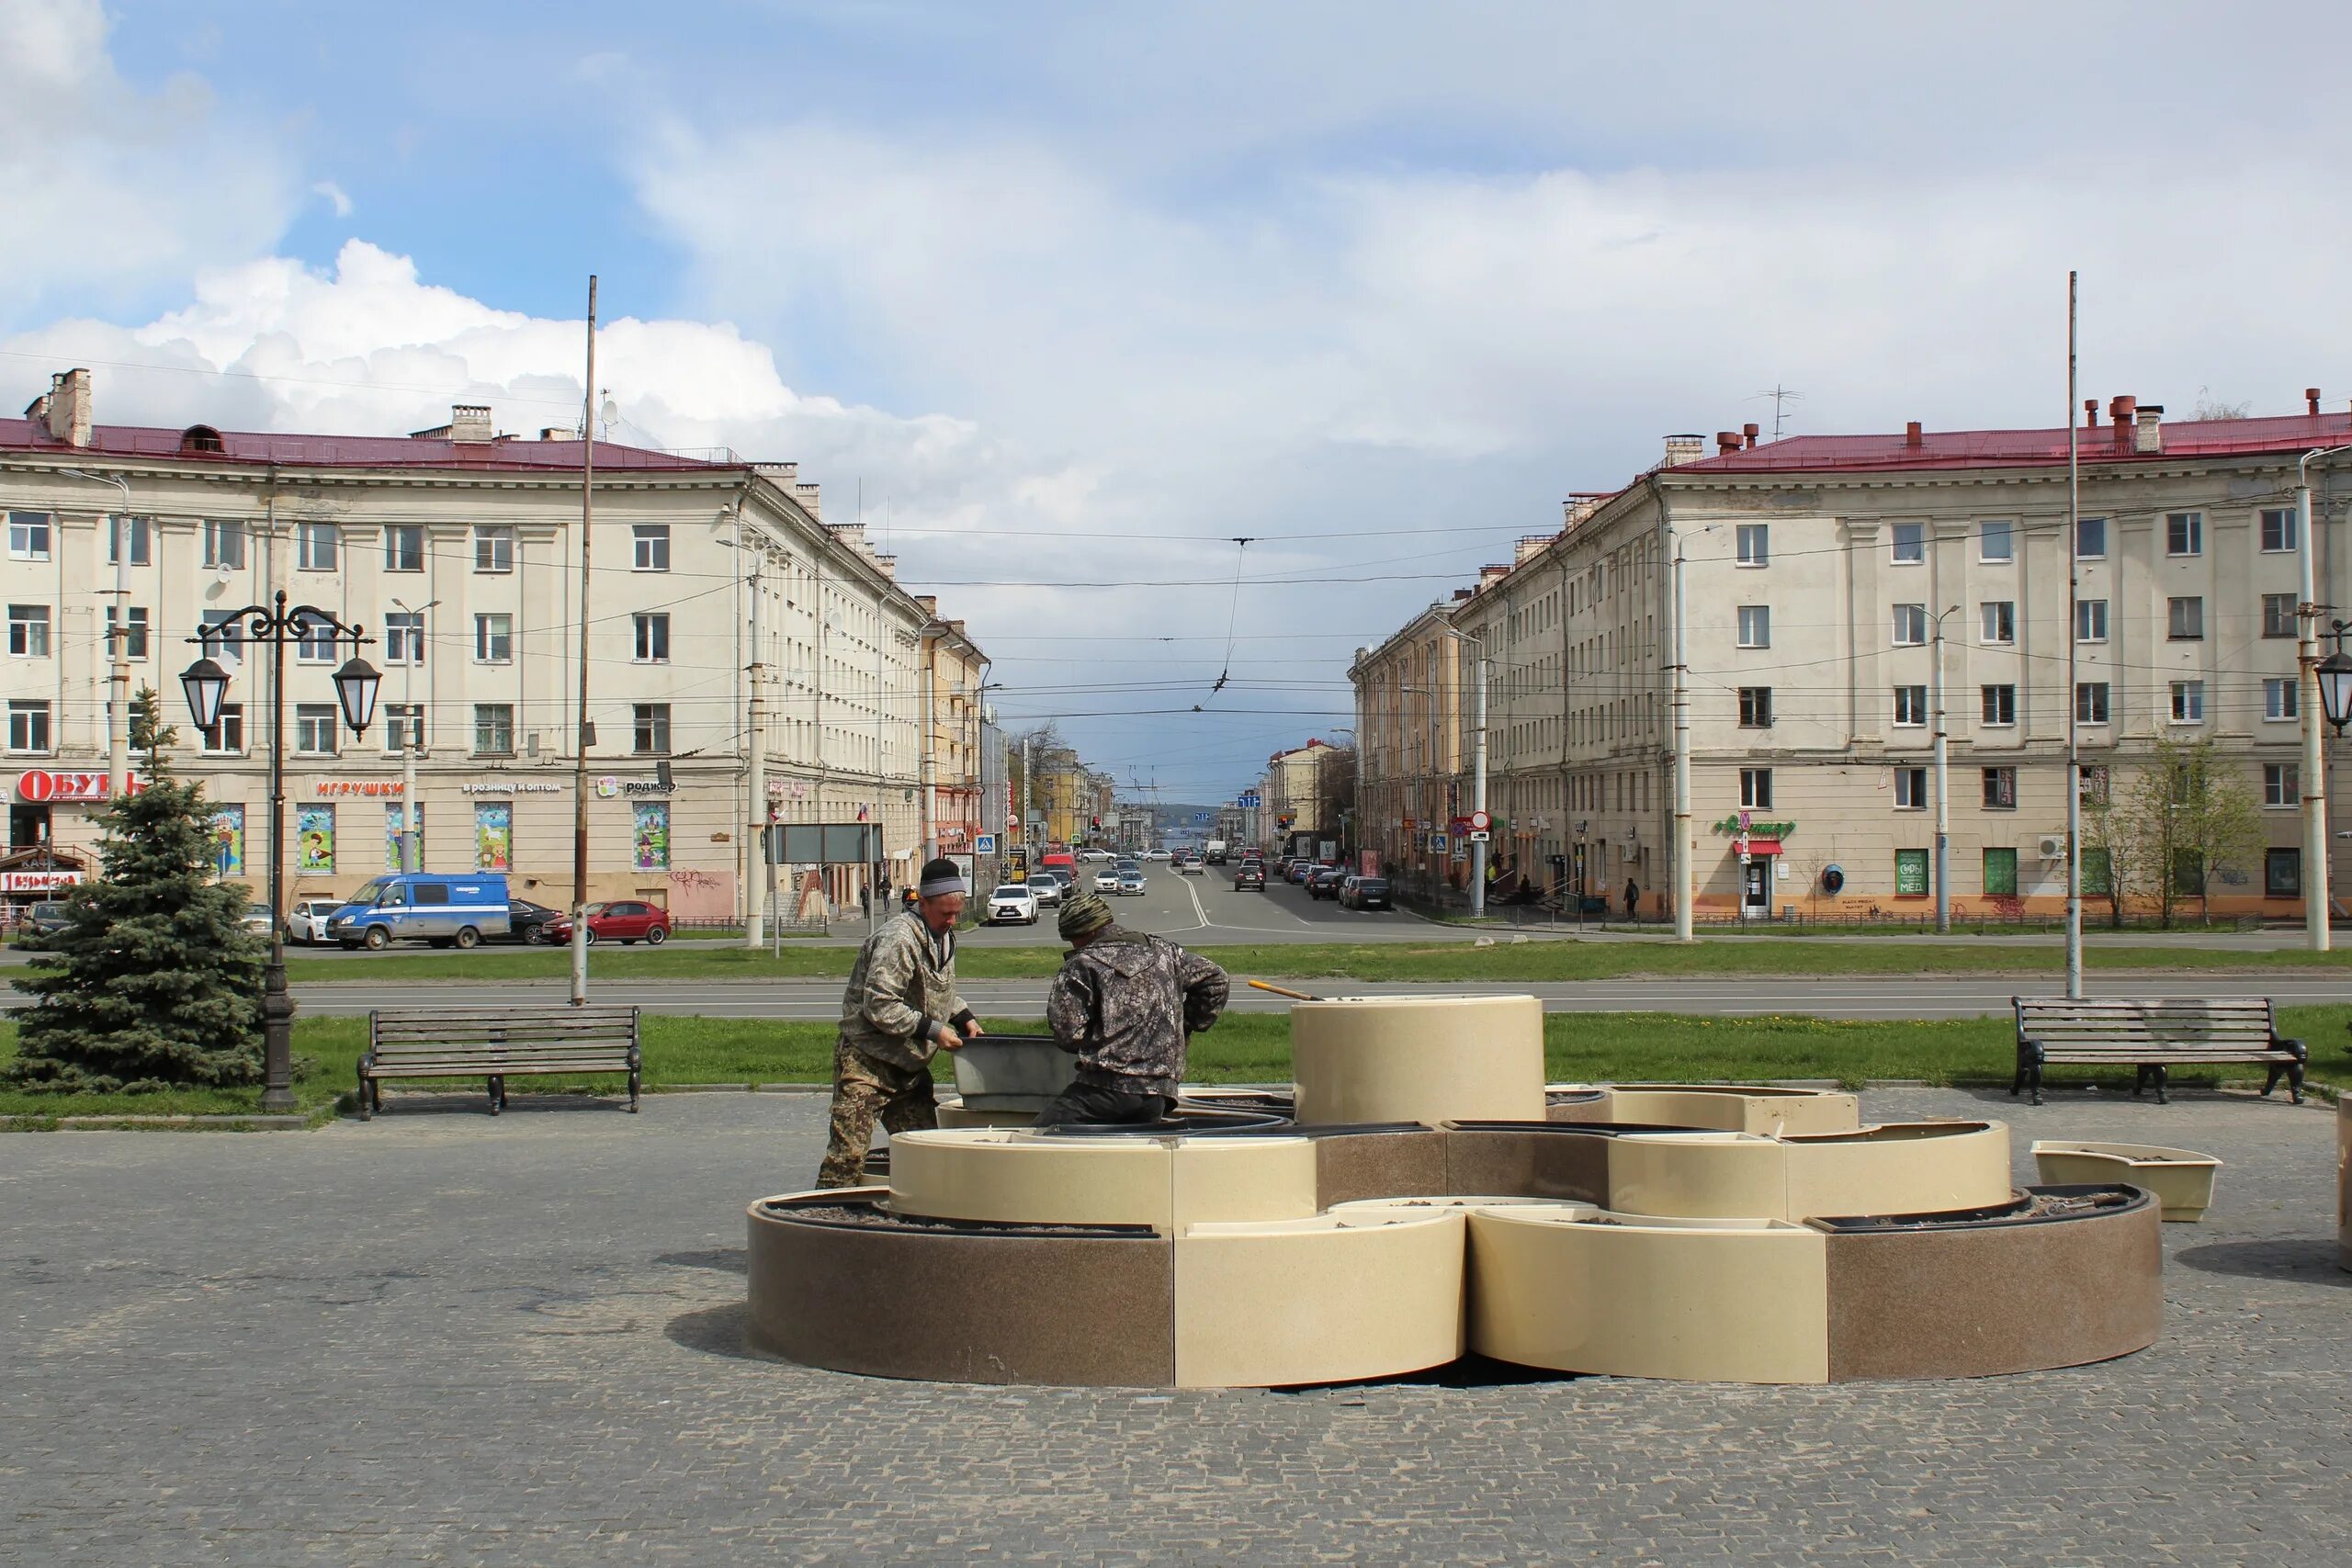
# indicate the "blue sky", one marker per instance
pixel 1074 291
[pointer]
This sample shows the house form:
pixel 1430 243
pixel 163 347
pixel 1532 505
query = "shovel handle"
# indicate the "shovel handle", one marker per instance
pixel 1285 991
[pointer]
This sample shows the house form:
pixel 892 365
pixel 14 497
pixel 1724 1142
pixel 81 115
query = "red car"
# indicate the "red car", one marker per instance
pixel 626 921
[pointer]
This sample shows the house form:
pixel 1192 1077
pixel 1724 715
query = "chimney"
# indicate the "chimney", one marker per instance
pixel 2148 436
pixel 64 408
pixel 557 432
pixel 2118 412
pixel 469 422
pixel 1751 432
pixel 1912 437
pixel 806 494
pixel 1681 449
pixel 2311 400
pixel 2090 413
pixel 1726 441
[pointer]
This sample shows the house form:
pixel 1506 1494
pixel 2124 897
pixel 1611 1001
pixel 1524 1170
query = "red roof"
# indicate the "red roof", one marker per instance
pixel 247 448
pixel 2015 448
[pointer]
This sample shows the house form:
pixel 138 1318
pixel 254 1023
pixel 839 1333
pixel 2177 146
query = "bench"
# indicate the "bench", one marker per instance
pixel 2151 1037
pixel 496 1042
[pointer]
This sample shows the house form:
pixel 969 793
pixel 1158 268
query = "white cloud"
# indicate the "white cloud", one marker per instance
pixel 336 197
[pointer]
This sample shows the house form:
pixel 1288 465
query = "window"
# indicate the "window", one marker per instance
pixel 1756 788
pixel 224 637
pixel 652 542
pixel 2000 704
pixel 2188 702
pixel 1996 542
pixel 2094 785
pixel 2187 872
pixel 2098 871
pixel 141 532
pixel 1910 705
pixel 1911 874
pixel 226 736
pixel 2181 787
pixel 2185 619
pixel 2000 620
pixel 493 638
pixel 652 639
pixel 493 549
pixel 1910 789
pixel 2000 790
pixel 2184 533
pixel 315 728
pixel 652 735
pixel 2279 615
pixel 319 548
pixel 2282 874
pixel 2090 538
pixel 28 631
pixel 1910 625
pixel 28 536
pixel 314 642
pixel 404 637
pixel 134 640
pixel 2000 873
pixel 404 548
pixel 2090 702
pixel 1910 543
pixel 2282 783
pixel 225 545
pixel 2279 695
pixel 494 729
pixel 1756 707
pixel 1755 544
pixel 2279 530
pixel 2090 620
pixel 27 726
pixel 403 726
pixel 1755 626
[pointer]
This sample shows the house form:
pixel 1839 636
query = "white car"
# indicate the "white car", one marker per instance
pixel 307 921
pixel 1046 889
pixel 1189 865
pixel 1154 854
pixel 1095 854
pixel 1107 879
pixel 1012 904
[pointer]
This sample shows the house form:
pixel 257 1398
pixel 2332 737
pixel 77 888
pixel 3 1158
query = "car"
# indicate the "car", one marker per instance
pixel 625 921
pixel 259 921
pixel 49 916
pixel 1046 889
pixel 306 922
pixel 1095 854
pixel 525 922
pixel 437 908
pixel 1189 865
pixel 1107 879
pixel 1365 893
pixel 1300 870
pixel 1013 904
pixel 1324 881
pixel 1154 854
pixel 1130 880
pixel 1249 874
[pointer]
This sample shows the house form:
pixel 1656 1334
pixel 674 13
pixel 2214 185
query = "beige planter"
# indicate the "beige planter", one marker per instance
pixel 2182 1180
pixel 1023 1177
pixel 1426 1059
pixel 2344 1181
pixel 1911 1168
pixel 1722 1108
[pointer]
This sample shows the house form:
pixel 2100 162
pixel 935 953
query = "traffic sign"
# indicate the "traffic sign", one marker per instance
pixel 1247 800
pixel 1480 822
pixel 1477 836
pixel 984 844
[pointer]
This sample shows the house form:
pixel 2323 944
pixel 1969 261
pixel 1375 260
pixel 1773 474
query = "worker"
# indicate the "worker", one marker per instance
pixel 1128 1003
pixel 899 1010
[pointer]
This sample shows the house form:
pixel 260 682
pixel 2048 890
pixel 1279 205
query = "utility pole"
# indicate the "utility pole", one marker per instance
pixel 927 764
pixel 411 736
pixel 2074 699
pixel 754 884
pixel 1032 850
pixel 2310 780
pixel 1478 796
pixel 1943 789
pixel 1685 879
pixel 118 639
pixel 581 731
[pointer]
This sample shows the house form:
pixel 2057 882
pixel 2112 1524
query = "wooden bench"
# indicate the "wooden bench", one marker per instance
pixel 2151 1037
pixel 496 1042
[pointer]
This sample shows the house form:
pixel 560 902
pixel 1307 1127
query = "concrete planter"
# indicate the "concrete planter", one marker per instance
pixel 2181 1179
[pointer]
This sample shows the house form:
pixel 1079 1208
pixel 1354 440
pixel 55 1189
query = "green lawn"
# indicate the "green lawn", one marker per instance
pixel 1255 1048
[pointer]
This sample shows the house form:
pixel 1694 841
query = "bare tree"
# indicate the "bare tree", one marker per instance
pixel 2211 407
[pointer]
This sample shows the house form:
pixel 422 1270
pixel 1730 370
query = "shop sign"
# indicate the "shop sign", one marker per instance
pixel 530 786
pixel 609 786
pixel 1742 826
pixel 787 789
pixel 37 784
pixel 358 786
pixel 36 881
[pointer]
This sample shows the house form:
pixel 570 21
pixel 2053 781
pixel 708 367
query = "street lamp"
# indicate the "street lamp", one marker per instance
pixel 205 684
pixel 2334 676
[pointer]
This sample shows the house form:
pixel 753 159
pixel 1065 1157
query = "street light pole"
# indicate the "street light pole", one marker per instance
pixel 2318 934
pixel 118 638
pixel 412 737
pixel 1943 793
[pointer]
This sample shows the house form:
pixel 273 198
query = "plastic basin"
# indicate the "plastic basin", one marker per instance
pixel 2180 1179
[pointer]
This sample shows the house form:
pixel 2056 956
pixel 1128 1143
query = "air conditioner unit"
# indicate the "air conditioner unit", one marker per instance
pixel 2053 846
pixel 531 744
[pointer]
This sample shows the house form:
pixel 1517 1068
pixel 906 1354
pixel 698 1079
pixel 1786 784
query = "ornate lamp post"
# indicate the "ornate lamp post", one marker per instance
pixel 205 684
pixel 2333 674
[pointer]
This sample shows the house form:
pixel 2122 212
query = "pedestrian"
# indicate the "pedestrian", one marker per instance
pixel 899 1008
pixel 1128 1004
pixel 1633 899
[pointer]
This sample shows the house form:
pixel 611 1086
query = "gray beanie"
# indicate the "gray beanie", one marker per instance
pixel 1082 915
pixel 940 877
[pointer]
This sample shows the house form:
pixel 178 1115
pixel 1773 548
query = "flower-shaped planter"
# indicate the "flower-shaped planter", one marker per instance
pixel 2181 1179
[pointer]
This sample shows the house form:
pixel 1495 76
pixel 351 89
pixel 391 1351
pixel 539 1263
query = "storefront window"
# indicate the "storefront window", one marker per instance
pixel 653 835
pixel 493 836
pixel 1911 872
pixel 228 841
pixel 314 838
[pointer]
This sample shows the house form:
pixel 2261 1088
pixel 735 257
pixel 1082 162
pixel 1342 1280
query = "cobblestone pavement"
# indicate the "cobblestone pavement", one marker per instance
pixel 442 1338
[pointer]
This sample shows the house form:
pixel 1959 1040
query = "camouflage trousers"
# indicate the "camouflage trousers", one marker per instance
pixel 865 1092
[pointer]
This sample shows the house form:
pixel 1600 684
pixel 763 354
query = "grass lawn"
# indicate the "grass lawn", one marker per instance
pixel 1255 1048
pixel 1534 960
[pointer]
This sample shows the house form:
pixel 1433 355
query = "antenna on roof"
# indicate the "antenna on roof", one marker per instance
pixel 1781 396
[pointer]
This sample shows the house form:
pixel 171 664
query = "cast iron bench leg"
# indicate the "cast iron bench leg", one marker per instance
pixel 2164 1083
pixel 497 1094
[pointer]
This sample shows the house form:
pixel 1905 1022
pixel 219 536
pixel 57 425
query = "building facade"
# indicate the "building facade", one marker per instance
pixel 1411 729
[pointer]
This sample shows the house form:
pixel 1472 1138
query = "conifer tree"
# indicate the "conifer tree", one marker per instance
pixel 156 982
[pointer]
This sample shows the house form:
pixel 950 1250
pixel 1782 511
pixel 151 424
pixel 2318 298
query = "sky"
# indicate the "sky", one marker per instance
pixel 1073 296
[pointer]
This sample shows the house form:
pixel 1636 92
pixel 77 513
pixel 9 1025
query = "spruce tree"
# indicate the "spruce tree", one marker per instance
pixel 156 982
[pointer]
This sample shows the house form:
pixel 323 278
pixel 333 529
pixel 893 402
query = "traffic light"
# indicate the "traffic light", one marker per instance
pixel 1094 822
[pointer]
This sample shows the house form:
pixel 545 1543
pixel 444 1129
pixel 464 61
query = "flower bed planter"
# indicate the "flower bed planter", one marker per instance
pixel 2181 1179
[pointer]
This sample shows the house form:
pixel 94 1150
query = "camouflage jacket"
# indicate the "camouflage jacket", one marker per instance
pixel 1126 1003
pixel 901 992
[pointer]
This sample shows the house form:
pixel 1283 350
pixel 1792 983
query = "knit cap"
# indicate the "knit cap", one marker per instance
pixel 1081 915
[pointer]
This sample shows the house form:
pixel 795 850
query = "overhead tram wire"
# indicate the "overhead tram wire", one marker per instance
pixel 1232 618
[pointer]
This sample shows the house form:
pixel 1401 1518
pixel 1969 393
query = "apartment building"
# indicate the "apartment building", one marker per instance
pixel 1291 798
pixel 954 673
pixel 1410 728
pixel 1826 580
pixel 458 549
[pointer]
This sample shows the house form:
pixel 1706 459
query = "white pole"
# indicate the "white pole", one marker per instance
pixel 580 720
pixel 1685 873
pixel 2073 712
pixel 1943 793
pixel 119 677
pixel 2312 781
pixel 755 909
pixel 1478 796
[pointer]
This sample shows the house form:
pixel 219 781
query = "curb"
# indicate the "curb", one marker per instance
pixel 254 1124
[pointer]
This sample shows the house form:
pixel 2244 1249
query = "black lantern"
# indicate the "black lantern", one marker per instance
pixel 354 688
pixel 207 686
pixel 2334 676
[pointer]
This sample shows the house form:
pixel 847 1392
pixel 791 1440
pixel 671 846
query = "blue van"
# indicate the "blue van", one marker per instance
pixel 423 906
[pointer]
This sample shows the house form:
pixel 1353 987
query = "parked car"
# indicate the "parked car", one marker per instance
pixel 430 906
pixel 1300 870
pixel 525 922
pixel 1249 874
pixel 1130 880
pixel 1012 905
pixel 306 922
pixel 1046 889
pixel 1365 893
pixel 625 921
pixel 1324 881
pixel 259 921
pixel 49 916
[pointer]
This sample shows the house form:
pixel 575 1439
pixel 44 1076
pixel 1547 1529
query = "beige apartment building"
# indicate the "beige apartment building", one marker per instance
pixel 1291 799
pixel 458 549
pixel 1412 780
pixel 1825 578
pixel 955 672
